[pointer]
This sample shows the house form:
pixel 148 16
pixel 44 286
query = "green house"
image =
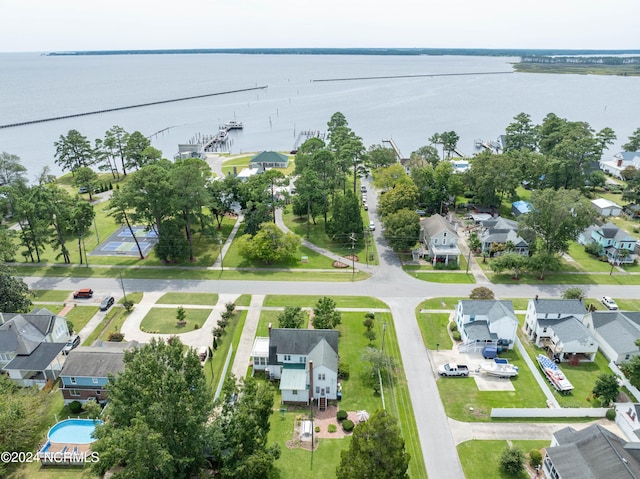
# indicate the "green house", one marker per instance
pixel 269 159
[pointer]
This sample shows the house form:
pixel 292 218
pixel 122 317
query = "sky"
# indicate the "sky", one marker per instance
pixel 73 25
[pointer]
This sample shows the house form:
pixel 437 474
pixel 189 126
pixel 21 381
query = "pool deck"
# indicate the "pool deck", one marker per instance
pixel 68 448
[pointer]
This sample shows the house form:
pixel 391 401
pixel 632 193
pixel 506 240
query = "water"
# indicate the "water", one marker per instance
pixel 409 110
pixel 73 431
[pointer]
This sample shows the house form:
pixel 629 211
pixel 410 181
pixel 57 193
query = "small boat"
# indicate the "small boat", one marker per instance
pixel 500 368
pixel 554 374
pixel 234 125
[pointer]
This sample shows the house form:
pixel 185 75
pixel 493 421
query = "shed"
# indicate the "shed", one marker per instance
pixel 606 207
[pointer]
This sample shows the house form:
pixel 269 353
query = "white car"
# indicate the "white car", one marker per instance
pixel 372 226
pixel 608 302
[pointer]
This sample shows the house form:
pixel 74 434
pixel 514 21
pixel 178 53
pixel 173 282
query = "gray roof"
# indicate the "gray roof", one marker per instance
pixel 22 333
pixel 479 331
pixel 299 341
pixel 494 236
pixel 611 231
pixel 270 157
pixel 619 329
pixel 559 306
pixel 324 355
pixel 568 329
pixel 593 453
pixel 38 360
pixel 500 224
pixel 494 309
pixel 96 361
pixel 436 224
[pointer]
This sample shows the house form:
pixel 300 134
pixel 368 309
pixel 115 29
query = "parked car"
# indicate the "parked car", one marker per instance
pixel 83 293
pixel 365 206
pixel 363 189
pixel 74 342
pixel 107 302
pixel 372 226
pixel 453 369
pixel 83 189
pixel 608 302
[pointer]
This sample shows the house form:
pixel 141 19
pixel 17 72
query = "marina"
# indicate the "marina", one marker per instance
pixel 200 144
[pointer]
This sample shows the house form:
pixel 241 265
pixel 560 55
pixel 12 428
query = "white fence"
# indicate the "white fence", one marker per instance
pixel 623 381
pixel 535 412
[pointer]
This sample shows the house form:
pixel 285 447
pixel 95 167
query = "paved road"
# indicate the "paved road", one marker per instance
pixel 400 291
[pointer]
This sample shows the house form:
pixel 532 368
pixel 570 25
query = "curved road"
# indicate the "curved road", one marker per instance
pixel 402 293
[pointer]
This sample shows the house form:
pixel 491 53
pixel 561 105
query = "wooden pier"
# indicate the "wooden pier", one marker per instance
pixel 305 135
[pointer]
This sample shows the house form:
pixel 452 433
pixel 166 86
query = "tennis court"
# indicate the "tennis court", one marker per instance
pixel 122 242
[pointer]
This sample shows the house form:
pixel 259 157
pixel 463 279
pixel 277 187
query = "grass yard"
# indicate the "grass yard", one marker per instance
pixel 519 304
pixel 587 262
pixel 243 300
pixel 364 302
pixel 50 296
pixel 204 299
pixel 213 367
pixel 481 459
pixel 433 327
pixel 568 278
pixel 440 303
pixel 444 277
pixel 460 394
pixel 112 323
pixel 628 304
pixel 163 320
pixel 54 308
pixel 80 316
pixel 134 297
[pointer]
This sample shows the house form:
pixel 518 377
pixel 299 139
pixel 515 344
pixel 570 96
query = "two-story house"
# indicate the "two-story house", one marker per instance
pixel 439 240
pixel 31 346
pixel 556 324
pixel 86 372
pixel 616 333
pixel 616 165
pixel 486 323
pixel 617 245
pixel 500 231
pixel 305 361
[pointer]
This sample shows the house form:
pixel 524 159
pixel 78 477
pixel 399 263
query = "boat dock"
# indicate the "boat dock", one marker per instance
pixel 304 135
pixel 200 144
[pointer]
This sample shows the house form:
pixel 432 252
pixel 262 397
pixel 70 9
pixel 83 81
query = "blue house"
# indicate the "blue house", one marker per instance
pixel 86 371
pixel 617 245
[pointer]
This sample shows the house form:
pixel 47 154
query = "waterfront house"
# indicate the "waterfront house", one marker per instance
pixel 439 240
pixel 31 346
pixel 269 159
pixel 86 372
pixel 619 162
pixel 606 207
pixel 592 452
pixel 556 324
pixel 616 333
pixel 304 361
pixel 486 323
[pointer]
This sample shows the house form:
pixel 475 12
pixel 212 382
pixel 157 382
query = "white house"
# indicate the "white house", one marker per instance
pixel 305 361
pixel 31 346
pixel 616 333
pixel 486 322
pixel 606 207
pixel 439 239
pixel 556 324
pixel 619 162
pixel 627 418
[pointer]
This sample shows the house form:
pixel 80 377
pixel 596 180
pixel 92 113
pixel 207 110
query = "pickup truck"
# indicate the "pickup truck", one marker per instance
pixel 453 369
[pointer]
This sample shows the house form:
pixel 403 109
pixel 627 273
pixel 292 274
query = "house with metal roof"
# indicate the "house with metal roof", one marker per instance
pixel 439 240
pixel 591 453
pixel 616 333
pixel 500 231
pixel 86 372
pixel 304 361
pixel 556 324
pixel 31 346
pixel 269 159
pixel 606 207
pixel 486 323
pixel 520 207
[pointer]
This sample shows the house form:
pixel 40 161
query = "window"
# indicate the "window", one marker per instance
pixel 98 392
pixel 328 389
pixel 302 359
pixel 294 392
pixel 435 240
pixel 317 389
pixel 74 393
pixel 287 357
pixel 321 376
pixel 444 240
pixel 73 380
pixel 626 358
pixel 95 380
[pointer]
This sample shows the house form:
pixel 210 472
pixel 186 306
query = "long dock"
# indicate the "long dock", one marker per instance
pixel 421 75
pixel 139 105
pixel 304 135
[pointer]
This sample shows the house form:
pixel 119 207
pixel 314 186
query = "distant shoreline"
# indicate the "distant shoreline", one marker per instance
pixel 503 52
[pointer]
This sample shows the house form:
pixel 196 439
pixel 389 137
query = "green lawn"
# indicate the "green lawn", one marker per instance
pixel 568 278
pixel 205 299
pixel 433 327
pixel 481 459
pixel 444 277
pixel 80 316
pixel 50 296
pixel 440 303
pixel 110 324
pixel 54 308
pixel 135 297
pixel 310 301
pixel 243 300
pixel 461 394
pixel 587 262
pixel 628 304
pixel 213 368
pixel 163 320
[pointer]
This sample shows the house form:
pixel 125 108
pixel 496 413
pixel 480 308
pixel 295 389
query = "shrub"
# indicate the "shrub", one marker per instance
pixel 610 414
pixel 332 428
pixel 75 407
pixel 348 425
pixel 70 326
pixel 230 307
pixel 342 415
pixel 128 305
pixel 535 457
pixel 226 315
pixel 115 337
pixel 456 335
pixel 481 292
pixel 343 371
pixel 196 326
pixel 453 326
pixel 218 332
pixel 593 249
pixel 512 460
pixel 317 428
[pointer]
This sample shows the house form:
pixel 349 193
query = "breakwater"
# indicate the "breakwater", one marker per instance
pixel 128 107
pixel 420 75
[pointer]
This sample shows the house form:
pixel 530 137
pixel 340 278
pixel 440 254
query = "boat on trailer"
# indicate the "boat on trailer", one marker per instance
pixel 553 373
pixel 499 367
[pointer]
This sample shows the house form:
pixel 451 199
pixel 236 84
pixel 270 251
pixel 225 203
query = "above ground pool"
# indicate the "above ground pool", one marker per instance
pixel 73 431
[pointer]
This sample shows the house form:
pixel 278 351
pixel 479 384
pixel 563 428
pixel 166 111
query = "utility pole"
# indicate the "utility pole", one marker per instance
pixel 122 285
pixel 353 256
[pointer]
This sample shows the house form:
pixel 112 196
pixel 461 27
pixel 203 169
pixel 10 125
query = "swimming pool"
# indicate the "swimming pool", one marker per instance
pixel 73 431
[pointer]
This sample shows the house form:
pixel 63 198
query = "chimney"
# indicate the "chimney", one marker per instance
pixel 619 163
pixel 310 381
pixel 269 330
